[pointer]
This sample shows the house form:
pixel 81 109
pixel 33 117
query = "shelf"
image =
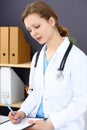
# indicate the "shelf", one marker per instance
pixel 16 105
pixel 22 65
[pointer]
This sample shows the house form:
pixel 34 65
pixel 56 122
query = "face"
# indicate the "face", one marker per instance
pixel 40 29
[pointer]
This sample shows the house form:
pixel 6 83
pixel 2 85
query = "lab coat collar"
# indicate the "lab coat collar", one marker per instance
pixel 59 52
pixel 63 46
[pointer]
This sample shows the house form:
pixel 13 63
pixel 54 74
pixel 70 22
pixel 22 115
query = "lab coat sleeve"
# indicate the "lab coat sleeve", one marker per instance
pixel 28 105
pixel 30 102
pixel 78 103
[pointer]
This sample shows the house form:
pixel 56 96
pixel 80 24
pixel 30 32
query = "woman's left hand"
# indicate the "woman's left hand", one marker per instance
pixel 41 125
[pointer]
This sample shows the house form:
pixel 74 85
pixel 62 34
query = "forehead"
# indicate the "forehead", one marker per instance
pixel 32 19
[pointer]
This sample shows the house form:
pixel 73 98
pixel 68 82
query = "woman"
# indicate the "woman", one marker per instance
pixel 58 96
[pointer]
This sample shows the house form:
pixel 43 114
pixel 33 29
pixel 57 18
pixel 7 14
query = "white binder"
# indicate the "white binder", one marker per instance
pixel 12 87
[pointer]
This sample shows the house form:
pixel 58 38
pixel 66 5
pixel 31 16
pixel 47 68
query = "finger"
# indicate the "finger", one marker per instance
pixel 14 121
pixel 20 114
pixel 17 116
pixel 13 118
pixel 10 116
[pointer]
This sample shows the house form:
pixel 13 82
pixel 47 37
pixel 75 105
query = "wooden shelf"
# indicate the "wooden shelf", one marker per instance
pixel 16 105
pixel 23 65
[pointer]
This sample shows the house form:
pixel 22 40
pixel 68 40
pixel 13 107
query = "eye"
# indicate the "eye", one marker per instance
pixel 28 29
pixel 37 26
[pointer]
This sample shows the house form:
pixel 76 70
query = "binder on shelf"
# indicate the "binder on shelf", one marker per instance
pixel 0 44
pixel 0 82
pixel 12 87
pixel 4 44
pixel 19 48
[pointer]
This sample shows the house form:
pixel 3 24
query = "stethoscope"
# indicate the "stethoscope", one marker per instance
pixel 60 75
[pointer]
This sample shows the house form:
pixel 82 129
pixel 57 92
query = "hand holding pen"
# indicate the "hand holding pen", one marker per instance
pixel 15 117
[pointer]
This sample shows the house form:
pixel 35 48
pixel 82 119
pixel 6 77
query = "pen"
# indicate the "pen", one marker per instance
pixel 45 118
pixel 8 106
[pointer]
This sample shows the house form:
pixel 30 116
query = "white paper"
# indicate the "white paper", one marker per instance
pixel 10 126
pixel 3 119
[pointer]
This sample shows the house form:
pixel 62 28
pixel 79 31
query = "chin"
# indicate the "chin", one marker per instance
pixel 41 42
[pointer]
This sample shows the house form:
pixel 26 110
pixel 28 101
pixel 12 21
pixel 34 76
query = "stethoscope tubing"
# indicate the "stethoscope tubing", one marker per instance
pixel 62 64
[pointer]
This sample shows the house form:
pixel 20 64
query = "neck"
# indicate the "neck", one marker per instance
pixel 52 45
pixel 54 42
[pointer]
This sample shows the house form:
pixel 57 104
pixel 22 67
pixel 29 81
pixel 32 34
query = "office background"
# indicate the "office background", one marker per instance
pixel 72 14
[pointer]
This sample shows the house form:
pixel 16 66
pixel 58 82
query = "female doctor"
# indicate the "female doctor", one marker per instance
pixel 58 81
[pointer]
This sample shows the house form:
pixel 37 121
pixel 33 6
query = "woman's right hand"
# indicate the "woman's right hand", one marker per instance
pixel 19 115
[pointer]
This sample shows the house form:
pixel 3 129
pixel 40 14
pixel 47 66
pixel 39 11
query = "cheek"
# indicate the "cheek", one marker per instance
pixel 48 33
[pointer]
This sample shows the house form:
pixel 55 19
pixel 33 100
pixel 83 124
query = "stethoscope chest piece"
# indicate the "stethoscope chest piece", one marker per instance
pixel 59 75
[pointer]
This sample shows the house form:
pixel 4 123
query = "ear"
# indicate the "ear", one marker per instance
pixel 51 21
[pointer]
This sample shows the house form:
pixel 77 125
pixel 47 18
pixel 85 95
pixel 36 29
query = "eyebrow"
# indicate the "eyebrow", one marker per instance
pixel 28 28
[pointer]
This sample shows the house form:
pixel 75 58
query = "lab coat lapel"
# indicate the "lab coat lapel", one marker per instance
pixel 57 57
pixel 40 68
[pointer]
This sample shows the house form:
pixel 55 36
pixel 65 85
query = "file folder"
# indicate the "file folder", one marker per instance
pixel 0 44
pixel 19 48
pixel 5 38
pixel 12 87
pixel 0 82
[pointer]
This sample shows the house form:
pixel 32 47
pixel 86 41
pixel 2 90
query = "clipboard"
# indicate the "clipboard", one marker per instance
pixel 3 119
pixel 3 122
pixel 20 126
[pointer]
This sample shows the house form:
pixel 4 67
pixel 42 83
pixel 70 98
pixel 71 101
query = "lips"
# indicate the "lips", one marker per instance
pixel 38 39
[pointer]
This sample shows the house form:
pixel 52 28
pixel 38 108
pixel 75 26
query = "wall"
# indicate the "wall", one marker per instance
pixel 72 14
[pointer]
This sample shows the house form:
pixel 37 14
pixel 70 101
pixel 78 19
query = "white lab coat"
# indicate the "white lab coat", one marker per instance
pixel 64 101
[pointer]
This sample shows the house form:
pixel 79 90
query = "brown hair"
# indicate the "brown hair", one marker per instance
pixel 46 12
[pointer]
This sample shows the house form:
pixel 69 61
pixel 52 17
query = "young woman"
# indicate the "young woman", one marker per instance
pixel 58 82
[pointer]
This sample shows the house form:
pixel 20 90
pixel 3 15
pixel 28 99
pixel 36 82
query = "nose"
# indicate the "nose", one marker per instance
pixel 33 33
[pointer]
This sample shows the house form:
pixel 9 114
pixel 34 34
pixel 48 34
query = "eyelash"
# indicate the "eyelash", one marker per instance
pixel 36 27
